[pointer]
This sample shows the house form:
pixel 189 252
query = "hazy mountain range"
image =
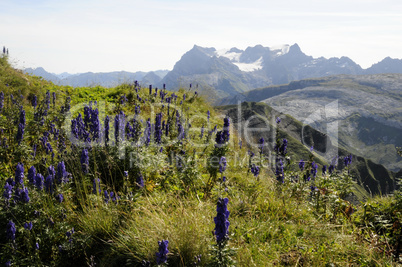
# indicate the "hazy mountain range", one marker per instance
pixel 222 73
pixel 106 79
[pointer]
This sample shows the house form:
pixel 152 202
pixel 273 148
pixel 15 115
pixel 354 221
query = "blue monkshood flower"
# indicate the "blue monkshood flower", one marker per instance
pixel 24 195
pixel 314 168
pixel 62 174
pixel 1 100
pixel 140 181
pixel 85 161
pixel 261 144
pixel 150 89
pixel 48 148
pixel 96 186
pixel 180 131
pixel 240 144
pixel 184 97
pixel 20 133
pixel 31 174
pixel 226 132
pixel 19 174
pixel 158 128
pixel 255 170
pixel 22 119
pixel 222 220
pixel 39 181
pixel 87 116
pixel 123 99
pixel 251 153
pixel 107 129
pixel 10 232
pixel 95 124
pixel 283 147
pixel 49 184
pixel 34 101
pixel 60 198
pixel 222 164
pixel 8 190
pixel 47 102
pixel 278 120
pixel 219 138
pixel 347 160
pixel 37 246
pixel 69 234
pixel 117 128
pixel 28 226
pixel 106 196
pixel 301 165
pixel 202 131
pixel 167 129
pixel 147 132
pixel 137 110
pixel 54 98
pixel 51 171
pixel 208 115
pixel 279 170
pixel 8 263
pixel 161 255
pixel 311 148
pixel 324 169
pixel 125 173
pixel 114 197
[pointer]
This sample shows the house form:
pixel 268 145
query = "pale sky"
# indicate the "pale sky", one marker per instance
pixel 100 36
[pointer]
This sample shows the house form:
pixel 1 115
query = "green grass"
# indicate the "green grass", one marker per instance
pixel 271 224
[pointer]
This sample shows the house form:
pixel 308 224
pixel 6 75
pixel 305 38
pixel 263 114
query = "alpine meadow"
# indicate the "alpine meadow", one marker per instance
pixel 135 175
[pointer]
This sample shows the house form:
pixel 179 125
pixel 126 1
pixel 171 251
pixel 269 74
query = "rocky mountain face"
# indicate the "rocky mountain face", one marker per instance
pixel 227 72
pixel 106 79
pixel 361 113
pixel 259 120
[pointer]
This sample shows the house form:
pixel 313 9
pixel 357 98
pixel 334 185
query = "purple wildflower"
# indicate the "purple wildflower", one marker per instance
pixel 19 174
pixel 222 164
pixel 222 220
pixel 39 181
pixel 301 165
pixel 255 170
pixel 28 226
pixel 161 255
pixel 11 231
pixel 31 174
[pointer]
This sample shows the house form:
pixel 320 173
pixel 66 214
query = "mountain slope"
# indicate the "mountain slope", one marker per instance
pixel 251 115
pixel 365 111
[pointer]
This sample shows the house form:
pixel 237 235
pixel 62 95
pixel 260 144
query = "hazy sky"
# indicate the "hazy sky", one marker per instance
pixel 133 35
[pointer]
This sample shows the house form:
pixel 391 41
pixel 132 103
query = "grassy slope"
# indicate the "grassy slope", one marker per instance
pixel 271 223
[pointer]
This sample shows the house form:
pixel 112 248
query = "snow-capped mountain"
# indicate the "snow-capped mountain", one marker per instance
pixel 226 72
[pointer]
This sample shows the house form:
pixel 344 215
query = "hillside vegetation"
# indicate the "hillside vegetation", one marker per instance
pixel 132 176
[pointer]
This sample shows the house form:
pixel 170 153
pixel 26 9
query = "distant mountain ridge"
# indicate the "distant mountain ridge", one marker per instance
pixel 365 110
pixel 227 72
pixel 106 79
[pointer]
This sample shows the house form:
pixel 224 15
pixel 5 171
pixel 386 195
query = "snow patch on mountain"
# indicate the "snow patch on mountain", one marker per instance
pixel 248 67
pixel 234 57
pixel 280 49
